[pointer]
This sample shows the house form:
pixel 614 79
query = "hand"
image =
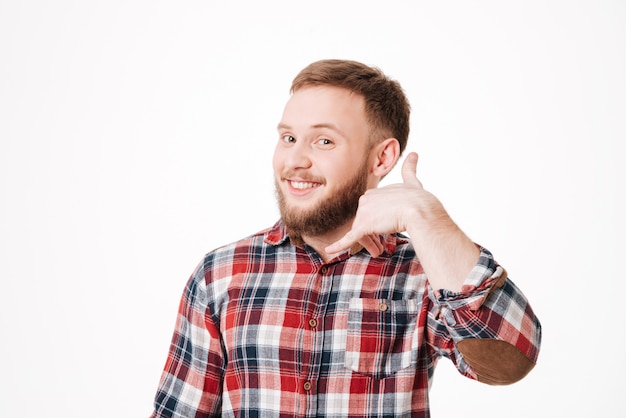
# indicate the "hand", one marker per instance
pixel 388 210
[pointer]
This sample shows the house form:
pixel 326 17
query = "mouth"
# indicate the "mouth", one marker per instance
pixel 302 185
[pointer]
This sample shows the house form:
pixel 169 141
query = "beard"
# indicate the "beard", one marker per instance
pixel 329 214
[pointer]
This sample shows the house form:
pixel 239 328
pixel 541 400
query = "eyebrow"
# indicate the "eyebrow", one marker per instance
pixel 330 126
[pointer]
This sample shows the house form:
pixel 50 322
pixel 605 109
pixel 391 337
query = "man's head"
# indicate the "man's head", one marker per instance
pixel 386 106
pixel 342 130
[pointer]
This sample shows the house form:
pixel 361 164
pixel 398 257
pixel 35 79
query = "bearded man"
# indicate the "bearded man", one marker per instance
pixel 345 305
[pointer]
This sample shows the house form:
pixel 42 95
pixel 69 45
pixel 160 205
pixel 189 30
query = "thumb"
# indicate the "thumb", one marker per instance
pixel 409 169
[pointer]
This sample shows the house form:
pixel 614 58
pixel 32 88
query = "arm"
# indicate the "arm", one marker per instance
pixel 487 325
pixel 489 329
pixel 191 382
pixel 445 252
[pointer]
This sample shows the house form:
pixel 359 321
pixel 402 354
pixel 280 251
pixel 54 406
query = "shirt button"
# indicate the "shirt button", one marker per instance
pixel 307 386
pixel 324 270
pixel 312 323
pixel 383 307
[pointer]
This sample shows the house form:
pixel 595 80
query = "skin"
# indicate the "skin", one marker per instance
pixel 323 140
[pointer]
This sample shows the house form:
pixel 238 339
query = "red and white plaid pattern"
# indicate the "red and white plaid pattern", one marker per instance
pixel 268 329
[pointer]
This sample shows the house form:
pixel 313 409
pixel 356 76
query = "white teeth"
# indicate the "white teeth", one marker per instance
pixel 302 185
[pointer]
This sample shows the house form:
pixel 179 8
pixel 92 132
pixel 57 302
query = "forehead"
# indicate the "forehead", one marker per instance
pixel 318 105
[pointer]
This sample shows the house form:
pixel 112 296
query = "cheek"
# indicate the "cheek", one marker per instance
pixel 276 160
pixel 341 169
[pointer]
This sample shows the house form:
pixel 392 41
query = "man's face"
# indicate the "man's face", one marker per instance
pixel 321 161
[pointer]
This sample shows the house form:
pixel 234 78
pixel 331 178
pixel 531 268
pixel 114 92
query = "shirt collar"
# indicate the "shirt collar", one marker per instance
pixel 278 235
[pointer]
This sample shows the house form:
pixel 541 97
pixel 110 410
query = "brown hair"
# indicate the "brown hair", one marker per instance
pixel 386 106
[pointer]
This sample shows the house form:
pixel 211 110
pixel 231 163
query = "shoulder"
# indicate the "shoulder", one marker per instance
pixel 227 259
pixel 223 267
pixel 240 247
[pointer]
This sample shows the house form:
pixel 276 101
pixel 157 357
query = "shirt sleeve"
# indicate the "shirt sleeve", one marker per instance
pixel 191 382
pixel 488 329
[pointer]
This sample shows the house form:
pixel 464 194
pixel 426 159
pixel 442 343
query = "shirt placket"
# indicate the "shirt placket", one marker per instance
pixel 313 341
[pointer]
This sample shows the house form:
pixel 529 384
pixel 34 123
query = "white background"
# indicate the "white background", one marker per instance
pixel 137 135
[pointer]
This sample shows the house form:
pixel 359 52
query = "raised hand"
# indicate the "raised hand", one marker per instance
pixel 388 209
pixel 445 252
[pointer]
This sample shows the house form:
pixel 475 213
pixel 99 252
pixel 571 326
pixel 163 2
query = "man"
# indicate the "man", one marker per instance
pixel 333 311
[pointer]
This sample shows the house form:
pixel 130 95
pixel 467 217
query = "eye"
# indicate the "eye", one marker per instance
pixel 324 141
pixel 288 139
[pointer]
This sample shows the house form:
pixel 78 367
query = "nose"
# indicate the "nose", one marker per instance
pixel 298 156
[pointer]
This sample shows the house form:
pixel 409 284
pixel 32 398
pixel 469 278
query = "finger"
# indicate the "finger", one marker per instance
pixel 342 244
pixel 409 169
pixel 372 244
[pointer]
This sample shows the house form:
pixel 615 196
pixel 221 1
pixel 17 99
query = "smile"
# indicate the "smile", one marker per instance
pixel 303 185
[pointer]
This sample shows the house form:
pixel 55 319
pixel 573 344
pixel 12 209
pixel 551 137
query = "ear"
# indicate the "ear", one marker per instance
pixel 385 155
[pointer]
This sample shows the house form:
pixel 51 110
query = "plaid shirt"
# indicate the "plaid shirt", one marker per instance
pixel 269 329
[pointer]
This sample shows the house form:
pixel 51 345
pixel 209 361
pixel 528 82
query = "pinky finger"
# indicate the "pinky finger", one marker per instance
pixel 372 244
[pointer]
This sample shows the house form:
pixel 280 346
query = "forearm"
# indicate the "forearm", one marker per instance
pixel 489 329
pixel 447 255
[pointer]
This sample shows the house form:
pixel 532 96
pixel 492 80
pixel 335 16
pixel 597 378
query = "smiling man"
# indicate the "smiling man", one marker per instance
pixel 321 162
pixel 345 305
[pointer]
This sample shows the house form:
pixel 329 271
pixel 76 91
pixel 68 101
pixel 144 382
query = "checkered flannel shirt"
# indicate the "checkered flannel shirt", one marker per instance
pixel 266 328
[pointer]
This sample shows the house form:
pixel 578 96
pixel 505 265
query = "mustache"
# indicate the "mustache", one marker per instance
pixel 301 176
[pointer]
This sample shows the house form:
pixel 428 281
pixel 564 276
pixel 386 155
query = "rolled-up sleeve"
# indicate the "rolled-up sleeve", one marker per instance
pixel 488 329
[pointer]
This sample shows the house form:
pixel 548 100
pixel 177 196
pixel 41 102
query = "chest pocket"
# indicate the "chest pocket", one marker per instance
pixel 381 336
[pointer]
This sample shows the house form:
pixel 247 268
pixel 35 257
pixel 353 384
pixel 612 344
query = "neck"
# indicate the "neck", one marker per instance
pixel 320 242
